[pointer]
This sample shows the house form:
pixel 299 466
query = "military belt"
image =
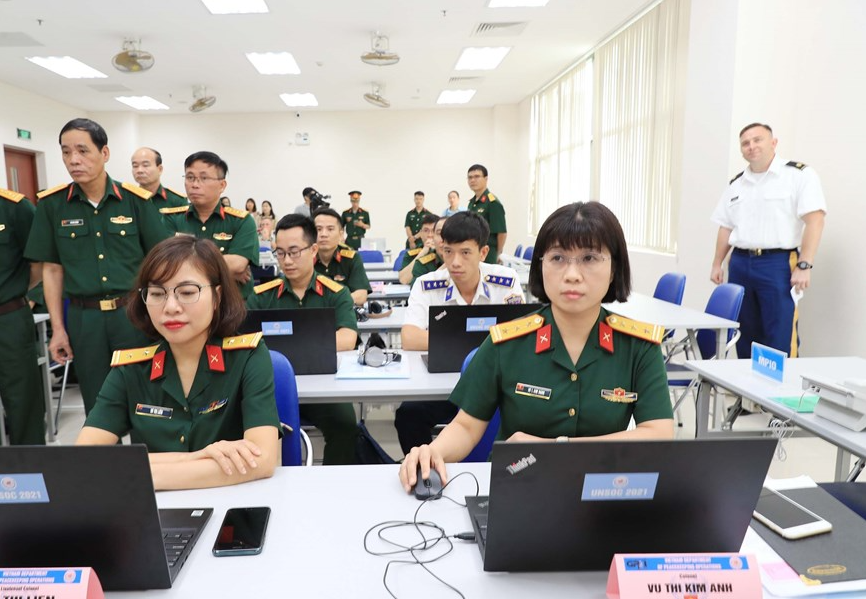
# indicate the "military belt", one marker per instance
pixel 761 252
pixel 12 305
pixel 105 305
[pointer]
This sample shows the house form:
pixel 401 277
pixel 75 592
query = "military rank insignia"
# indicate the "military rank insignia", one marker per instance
pixel 619 395
pixel 433 285
pixel 222 236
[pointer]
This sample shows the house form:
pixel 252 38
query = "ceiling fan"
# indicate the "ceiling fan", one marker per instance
pixel 375 97
pixel 132 59
pixel 202 100
pixel 379 55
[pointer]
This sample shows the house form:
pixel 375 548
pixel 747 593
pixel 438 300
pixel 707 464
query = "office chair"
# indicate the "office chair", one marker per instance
pixel 527 253
pixel 371 256
pixel 670 288
pixel 286 394
pixel 481 452
pixel 725 302
pixel 399 261
pixel 518 250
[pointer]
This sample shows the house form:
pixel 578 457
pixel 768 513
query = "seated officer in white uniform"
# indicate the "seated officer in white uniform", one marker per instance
pixel 466 279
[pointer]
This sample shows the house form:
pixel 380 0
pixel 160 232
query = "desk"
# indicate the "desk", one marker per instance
pixel 388 276
pixel 514 262
pixel 422 386
pixel 378 266
pixel 737 376
pixel 391 292
pixel 314 544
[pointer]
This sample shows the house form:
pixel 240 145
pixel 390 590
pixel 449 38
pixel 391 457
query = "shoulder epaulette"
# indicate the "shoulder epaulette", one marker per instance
pixel 740 174
pixel 795 164
pixel 122 357
pixel 329 283
pixel 491 197
pixel 175 210
pixel 258 289
pixel 177 193
pixel 347 253
pixel 428 258
pixel 48 192
pixel 434 284
pixel 414 251
pixel 516 328
pixel 248 341
pixel 236 212
pixel 648 332
pixel 499 280
pixel 12 196
pixel 139 191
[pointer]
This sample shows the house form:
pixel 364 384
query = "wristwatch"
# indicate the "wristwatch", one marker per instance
pixel 562 439
pixel 803 265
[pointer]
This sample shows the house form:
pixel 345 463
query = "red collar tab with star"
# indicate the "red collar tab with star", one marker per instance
pixel 605 337
pixel 542 338
pixel 215 358
pixel 157 366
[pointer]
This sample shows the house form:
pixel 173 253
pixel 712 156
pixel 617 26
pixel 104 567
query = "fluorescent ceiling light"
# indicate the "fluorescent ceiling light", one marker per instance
pixel 67 66
pixel 235 7
pixel 516 3
pixel 142 102
pixel 480 59
pixel 298 100
pixel 455 96
pixel 274 63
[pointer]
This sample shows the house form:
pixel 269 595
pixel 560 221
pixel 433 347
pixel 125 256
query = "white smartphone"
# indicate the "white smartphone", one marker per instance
pixel 787 517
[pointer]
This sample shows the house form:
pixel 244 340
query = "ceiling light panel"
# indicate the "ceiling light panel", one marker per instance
pixel 299 100
pixel 274 63
pixel 66 66
pixel 142 102
pixel 481 59
pixel 235 7
pixel 517 3
pixel 455 96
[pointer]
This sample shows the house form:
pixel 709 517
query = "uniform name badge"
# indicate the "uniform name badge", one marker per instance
pixel 142 409
pixel 213 406
pixel 532 391
pixel 72 222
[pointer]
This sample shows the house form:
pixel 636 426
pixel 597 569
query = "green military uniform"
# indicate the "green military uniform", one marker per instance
pixel 336 421
pixel 413 221
pixel 529 376
pixel 100 249
pixel 20 380
pixel 166 198
pixel 354 233
pixel 233 391
pixel 429 263
pixel 347 268
pixel 490 209
pixel 232 230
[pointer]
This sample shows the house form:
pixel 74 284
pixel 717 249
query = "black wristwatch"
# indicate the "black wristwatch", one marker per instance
pixel 803 265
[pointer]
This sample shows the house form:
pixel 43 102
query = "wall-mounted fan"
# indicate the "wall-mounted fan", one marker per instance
pixel 375 97
pixel 202 101
pixel 132 59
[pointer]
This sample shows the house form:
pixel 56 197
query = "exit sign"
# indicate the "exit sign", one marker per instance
pixel 24 134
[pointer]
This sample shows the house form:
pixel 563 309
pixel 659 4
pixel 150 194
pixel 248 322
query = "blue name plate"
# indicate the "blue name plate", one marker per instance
pixel 768 362
pixel 622 486
pixel 480 325
pixel 277 328
pixel 23 488
pixel 39 576
pixel 686 562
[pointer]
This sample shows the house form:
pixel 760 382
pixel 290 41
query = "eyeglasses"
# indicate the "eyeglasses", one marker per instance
pixel 204 179
pixel 588 262
pixel 294 253
pixel 156 295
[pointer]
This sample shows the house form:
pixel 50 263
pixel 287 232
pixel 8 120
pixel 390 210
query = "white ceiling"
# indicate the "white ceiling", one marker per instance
pixel 326 37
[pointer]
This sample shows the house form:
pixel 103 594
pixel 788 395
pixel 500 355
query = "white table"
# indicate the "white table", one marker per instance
pixel 514 262
pixel 388 276
pixel 314 544
pixel 737 376
pixel 389 324
pixel 391 292
pixel 378 266
pixel 421 386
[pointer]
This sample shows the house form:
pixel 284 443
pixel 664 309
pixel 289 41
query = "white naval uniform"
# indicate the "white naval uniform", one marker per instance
pixel 497 285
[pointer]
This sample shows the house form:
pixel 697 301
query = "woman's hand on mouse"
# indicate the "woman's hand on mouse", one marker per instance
pixel 425 457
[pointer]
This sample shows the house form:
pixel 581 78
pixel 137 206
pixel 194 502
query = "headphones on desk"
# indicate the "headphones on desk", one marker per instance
pixel 376 354
pixel 372 310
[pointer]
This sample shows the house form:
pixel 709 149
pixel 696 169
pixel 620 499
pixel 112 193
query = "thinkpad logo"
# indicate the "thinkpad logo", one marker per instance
pixel 521 464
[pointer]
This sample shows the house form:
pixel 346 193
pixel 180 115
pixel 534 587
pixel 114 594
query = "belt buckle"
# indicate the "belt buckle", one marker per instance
pixel 108 305
pixel 759 251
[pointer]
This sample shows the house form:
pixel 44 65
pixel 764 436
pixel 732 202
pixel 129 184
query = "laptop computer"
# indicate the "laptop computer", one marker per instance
pixel 306 336
pixel 92 506
pixel 572 506
pixel 454 331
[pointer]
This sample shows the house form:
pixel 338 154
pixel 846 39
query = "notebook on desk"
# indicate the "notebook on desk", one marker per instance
pixel 572 506
pixel 454 331
pixel 95 507
pixel 306 336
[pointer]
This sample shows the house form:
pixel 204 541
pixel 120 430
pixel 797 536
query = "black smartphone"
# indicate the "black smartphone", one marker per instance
pixel 242 531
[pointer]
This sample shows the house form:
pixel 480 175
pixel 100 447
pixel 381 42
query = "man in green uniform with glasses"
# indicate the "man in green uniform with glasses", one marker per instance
pixel 490 208
pixel 91 236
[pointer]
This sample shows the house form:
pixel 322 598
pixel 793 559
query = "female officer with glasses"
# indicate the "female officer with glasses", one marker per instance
pixel 200 398
pixel 570 371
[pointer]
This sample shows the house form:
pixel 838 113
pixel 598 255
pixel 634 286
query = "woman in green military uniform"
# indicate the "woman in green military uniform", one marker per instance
pixel 200 399
pixel 570 371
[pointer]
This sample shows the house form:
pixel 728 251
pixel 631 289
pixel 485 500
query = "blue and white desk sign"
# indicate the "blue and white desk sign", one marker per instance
pixel 23 488
pixel 622 486
pixel 768 362
pixel 56 582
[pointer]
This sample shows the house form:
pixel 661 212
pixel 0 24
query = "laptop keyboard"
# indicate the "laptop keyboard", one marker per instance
pixel 177 545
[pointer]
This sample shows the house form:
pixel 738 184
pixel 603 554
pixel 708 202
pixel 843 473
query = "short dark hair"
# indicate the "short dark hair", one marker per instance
pixel 328 212
pixel 465 226
pixel 430 219
pixel 254 204
pixel 97 134
pixel 163 262
pixel 478 167
pixel 419 193
pixel 351 193
pixel 455 192
pixel 588 225
pixel 307 191
pixel 747 127
pixel 208 158
pixel 290 221
pixel 157 157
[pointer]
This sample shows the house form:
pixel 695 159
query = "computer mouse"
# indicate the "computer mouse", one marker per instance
pixel 430 488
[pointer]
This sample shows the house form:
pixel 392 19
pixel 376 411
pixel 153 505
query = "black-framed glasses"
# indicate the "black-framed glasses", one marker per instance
pixel 204 179
pixel 293 253
pixel 156 295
